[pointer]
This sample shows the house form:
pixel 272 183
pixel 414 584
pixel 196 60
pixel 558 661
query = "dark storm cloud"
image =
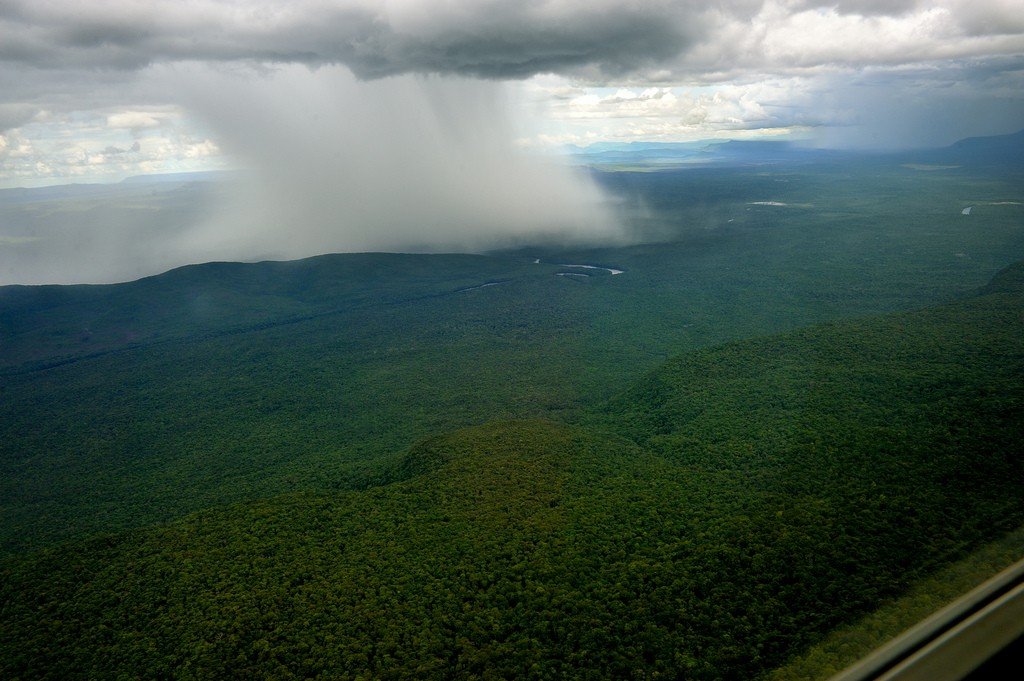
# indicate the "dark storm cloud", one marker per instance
pixel 489 39
pixel 14 115
pixel 925 106
pixel 598 41
pixel 863 7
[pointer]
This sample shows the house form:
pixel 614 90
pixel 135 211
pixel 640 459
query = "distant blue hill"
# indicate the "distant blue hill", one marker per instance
pixel 768 151
pixel 133 185
pixel 197 176
pixel 705 152
pixel 995 151
pixel 618 153
pixel 990 143
pixel 637 147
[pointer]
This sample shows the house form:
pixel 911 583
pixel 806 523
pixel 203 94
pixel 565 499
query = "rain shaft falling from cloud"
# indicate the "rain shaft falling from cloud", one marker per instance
pixel 403 163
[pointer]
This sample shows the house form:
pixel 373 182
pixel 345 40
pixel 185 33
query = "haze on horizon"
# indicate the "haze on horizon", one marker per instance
pixel 405 125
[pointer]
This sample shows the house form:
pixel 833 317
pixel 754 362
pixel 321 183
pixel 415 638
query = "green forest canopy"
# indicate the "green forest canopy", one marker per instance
pixel 708 522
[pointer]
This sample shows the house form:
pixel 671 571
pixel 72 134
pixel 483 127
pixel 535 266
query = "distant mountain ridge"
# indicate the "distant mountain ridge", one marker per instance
pixel 991 141
pixel 997 150
pixel 192 176
pixel 992 150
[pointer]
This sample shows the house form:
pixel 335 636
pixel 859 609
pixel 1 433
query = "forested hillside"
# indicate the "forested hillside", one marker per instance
pixel 123 405
pixel 708 522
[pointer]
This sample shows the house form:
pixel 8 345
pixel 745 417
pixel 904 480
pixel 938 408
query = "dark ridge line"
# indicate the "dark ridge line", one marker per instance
pixel 31 368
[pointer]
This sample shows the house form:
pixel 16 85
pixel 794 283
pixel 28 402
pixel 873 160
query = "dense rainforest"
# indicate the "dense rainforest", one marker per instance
pixel 732 504
pixel 693 463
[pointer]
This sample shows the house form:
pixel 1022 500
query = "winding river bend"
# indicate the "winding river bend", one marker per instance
pixel 484 285
pixel 594 267
pixel 611 270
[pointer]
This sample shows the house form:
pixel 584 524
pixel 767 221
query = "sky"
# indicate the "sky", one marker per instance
pixel 415 125
pixel 107 88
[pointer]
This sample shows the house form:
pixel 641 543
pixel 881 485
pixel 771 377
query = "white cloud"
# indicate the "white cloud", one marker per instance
pixel 676 113
pixel 85 146
pixel 14 147
pixel 202 149
pixel 135 120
